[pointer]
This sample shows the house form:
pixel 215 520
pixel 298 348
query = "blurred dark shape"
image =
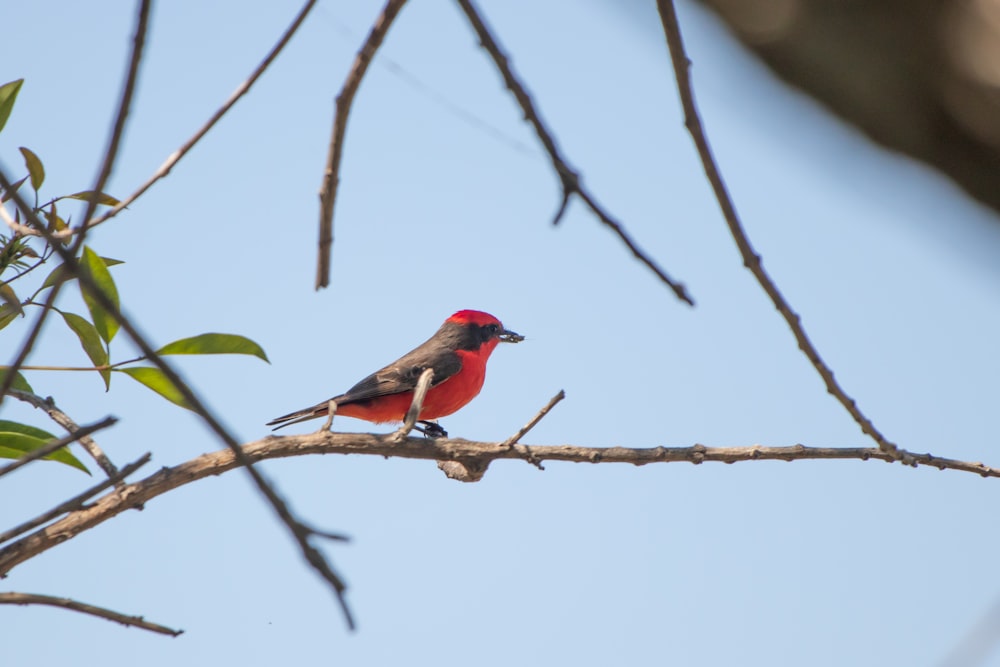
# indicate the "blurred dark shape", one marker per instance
pixel 918 76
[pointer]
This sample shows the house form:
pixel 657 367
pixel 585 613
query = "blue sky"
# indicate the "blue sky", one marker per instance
pixel 822 563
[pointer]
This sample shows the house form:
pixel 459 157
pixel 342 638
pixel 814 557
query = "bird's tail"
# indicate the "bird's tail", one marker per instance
pixel 316 411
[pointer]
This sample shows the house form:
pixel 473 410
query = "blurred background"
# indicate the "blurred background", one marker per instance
pixel 445 203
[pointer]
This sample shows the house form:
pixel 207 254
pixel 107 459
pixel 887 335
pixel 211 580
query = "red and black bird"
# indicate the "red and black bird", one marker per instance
pixel 457 352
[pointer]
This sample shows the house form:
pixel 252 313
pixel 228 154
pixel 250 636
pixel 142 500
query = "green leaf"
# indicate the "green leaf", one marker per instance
pixel 35 168
pixel 61 273
pixel 19 382
pixel 91 342
pixel 85 195
pixel 94 266
pixel 8 295
pixel 214 343
pixel 8 314
pixel 16 440
pixel 157 381
pixel 56 223
pixel 8 94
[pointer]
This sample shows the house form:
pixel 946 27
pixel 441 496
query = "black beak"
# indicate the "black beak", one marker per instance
pixel 506 336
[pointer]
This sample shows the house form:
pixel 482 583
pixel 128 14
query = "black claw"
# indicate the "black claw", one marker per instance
pixel 431 429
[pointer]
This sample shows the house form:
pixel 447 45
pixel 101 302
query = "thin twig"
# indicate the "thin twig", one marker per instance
pixel 240 91
pixel 131 79
pixel 75 502
pixel 45 450
pixel 512 440
pixel 568 176
pixel 12 597
pixel 331 173
pixel 87 284
pixel 429 449
pixel 331 412
pixel 64 420
pixel 416 405
pixel 752 260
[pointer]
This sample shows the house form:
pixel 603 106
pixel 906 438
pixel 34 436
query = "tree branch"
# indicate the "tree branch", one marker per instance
pixel 128 89
pixel 439 449
pixel 59 443
pixel 331 174
pixel 298 530
pixel 416 405
pixel 75 502
pixel 84 608
pixel 568 176
pixel 142 23
pixel 752 260
pixel 240 91
pixel 64 420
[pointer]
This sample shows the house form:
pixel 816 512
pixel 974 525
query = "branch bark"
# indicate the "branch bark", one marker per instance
pixel 478 455
pixel 568 176
pixel 751 259
pixel 240 91
pixel 299 531
pixel 331 174
pixel 84 608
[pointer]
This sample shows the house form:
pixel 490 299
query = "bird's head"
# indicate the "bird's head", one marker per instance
pixel 489 329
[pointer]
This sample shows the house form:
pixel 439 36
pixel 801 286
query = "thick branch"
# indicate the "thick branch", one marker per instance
pixel 751 260
pixel 440 449
pixel 84 608
pixel 331 174
pixel 76 502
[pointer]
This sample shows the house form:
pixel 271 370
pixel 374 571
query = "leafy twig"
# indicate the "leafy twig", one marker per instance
pixel 49 448
pixel 90 287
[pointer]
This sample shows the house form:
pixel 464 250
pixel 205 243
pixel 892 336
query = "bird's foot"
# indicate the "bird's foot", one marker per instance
pixel 431 429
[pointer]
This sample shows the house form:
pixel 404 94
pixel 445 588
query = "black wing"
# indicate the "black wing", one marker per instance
pixel 402 375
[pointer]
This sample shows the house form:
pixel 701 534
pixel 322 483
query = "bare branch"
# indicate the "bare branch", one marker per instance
pixel 131 79
pixel 298 531
pixel 331 174
pixel 331 412
pixel 84 608
pixel 752 260
pixel 75 502
pixel 512 440
pixel 568 176
pixel 240 91
pixel 64 420
pixel 436 449
pixel 59 443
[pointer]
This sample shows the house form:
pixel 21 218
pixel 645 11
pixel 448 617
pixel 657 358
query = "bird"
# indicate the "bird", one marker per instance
pixel 457 353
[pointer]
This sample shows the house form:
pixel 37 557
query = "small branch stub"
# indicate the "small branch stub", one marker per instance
pixel 413 414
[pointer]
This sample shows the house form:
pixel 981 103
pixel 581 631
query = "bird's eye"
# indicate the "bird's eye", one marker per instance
pixel 492 328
